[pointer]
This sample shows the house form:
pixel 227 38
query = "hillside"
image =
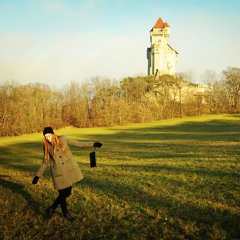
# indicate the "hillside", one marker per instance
pixel 173 179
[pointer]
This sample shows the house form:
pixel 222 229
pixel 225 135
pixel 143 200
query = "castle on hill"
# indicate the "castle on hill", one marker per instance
pixel 162 58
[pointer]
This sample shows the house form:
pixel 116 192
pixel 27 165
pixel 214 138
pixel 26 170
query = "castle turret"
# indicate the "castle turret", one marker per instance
pixel 166 29
pixel 161 57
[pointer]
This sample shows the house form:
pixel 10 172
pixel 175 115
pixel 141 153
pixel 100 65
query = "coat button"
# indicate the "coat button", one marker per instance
pixel 63 163
pixel 60 156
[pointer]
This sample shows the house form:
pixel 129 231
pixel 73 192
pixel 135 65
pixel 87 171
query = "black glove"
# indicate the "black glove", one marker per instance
pixel 97 144
pixel 35 180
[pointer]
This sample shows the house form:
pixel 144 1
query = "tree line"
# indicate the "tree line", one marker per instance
pixel 104 102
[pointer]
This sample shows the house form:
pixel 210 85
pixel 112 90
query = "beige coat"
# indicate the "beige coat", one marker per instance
pixel 64 168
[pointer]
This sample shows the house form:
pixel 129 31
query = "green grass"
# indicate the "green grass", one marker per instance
pixel 174 179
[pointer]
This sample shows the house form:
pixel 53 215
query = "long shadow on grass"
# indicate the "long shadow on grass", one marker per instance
pixel 24 157
pixel 214 130
pixel 204 217
pixel 17 188
pixel 220 173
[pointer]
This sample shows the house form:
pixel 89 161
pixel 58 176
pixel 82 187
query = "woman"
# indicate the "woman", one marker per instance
pixel 64 168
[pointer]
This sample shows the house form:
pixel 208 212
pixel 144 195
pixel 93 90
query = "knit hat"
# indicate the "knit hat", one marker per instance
pixel 47 130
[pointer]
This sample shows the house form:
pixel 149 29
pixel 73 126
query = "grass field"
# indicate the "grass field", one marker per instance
pixel 174 179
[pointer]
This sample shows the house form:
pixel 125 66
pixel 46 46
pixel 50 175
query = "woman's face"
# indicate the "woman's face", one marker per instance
pixel 49 137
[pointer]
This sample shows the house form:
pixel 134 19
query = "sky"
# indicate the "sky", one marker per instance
pixel 62 41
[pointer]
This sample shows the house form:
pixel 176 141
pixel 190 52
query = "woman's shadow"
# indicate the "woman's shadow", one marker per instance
pixel 5 181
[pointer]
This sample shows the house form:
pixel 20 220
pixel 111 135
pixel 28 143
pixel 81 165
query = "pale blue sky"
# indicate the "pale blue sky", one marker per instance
pixel 57 42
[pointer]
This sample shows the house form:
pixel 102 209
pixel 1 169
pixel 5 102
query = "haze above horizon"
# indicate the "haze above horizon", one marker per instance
pixel 56 42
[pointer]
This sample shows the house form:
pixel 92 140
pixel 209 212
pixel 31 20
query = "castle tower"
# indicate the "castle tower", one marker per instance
pixel 161 57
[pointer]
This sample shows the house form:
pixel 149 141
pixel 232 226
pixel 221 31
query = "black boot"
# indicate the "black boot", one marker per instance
pixel 69 217
pixel 49 211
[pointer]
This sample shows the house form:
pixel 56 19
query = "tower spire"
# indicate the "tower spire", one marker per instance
pixel 160 24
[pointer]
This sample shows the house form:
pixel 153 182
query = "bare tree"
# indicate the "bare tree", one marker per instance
pixel 231 77
pixel 210 77
pixel 188 75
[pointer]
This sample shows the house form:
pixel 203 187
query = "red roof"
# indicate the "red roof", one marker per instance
pixel 160 24
pixel 166 24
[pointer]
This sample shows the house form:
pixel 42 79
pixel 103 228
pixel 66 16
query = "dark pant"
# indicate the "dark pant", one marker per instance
pixel 61 199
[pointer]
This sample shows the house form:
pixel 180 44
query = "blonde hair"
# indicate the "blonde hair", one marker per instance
pixel 49 149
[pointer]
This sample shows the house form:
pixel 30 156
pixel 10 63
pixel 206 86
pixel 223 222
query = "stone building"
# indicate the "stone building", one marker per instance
pixel 162 58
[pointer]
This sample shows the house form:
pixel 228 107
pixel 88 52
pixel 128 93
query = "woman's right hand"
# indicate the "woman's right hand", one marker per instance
pixel 35 180
pixel 97 144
